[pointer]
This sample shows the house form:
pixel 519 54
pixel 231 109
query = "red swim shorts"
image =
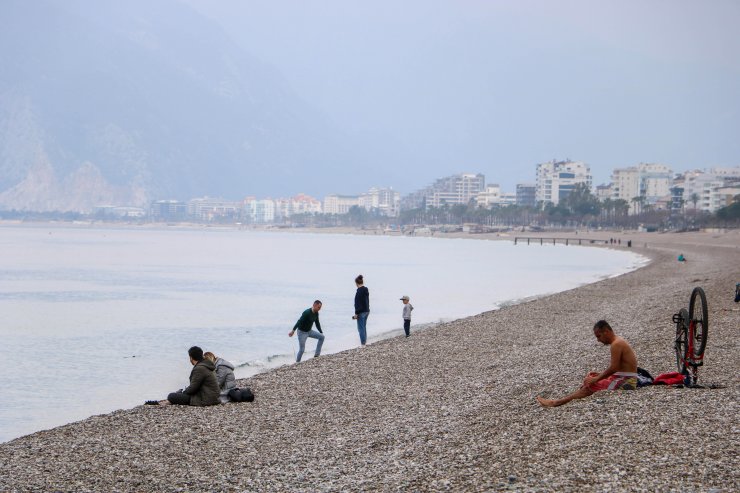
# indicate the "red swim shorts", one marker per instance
pixel 618 381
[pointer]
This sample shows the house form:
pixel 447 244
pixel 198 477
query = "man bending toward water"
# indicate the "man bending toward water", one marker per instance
pixel 621 373
pixel 309 317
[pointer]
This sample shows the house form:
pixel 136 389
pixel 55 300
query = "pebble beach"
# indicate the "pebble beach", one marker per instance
pixel 452 408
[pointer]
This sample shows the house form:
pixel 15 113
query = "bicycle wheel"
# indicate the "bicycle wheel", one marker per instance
pixel 698 315
pixel 682 340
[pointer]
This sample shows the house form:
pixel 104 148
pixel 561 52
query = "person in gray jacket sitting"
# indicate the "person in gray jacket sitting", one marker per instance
pixel 227 381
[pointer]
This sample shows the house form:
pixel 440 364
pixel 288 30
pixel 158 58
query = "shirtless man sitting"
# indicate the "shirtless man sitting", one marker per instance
pixel 621 373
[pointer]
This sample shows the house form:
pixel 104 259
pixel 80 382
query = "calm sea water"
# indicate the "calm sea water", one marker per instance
pixel 95 320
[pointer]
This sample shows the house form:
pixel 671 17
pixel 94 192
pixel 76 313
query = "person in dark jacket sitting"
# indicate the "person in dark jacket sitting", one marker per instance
pixel 203 389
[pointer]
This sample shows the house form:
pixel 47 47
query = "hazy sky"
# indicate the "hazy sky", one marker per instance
pixel 498 86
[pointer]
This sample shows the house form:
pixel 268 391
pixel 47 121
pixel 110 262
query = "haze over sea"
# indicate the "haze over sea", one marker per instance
pixel 100 319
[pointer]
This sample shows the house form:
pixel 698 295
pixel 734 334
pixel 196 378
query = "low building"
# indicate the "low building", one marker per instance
pixel 299 204
pixel 209 209
pixel 603 192
pixel 340 204
pixel 526 194
pixel 489 197
pixel 168 210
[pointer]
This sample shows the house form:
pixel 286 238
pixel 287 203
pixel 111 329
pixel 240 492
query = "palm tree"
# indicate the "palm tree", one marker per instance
pixel 695 199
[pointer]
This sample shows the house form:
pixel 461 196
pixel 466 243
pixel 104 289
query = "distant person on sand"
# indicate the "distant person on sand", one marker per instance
pixel 620 374
pixel 407 307
pixel 227 381
pixel 362 308
pixel 304 324
pixel 203 389
pixel 681 258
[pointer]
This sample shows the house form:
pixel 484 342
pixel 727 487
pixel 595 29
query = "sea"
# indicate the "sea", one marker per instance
pixel 96 319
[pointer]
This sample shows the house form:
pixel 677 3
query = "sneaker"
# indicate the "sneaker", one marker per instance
pixel 151 403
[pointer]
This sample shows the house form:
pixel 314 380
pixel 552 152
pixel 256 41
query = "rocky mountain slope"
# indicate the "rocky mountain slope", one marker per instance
pixel 122 103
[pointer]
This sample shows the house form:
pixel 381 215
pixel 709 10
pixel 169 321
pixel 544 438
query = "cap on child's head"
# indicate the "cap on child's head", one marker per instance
pixel 404 298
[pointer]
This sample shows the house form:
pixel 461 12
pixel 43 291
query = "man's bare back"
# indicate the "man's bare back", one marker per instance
pixel 623 356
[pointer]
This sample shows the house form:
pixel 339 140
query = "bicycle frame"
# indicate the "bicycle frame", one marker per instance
pixel 689 362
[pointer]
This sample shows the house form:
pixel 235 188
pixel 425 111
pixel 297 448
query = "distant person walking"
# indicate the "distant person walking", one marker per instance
pixel 362 308
pixel 309 317
pixel 407 307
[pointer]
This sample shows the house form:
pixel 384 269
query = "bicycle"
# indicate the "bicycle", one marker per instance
pixel 692 328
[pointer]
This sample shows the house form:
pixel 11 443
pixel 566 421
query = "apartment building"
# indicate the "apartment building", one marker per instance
pixel 652 181
pixel 340 204
pixel 259 211
pixel 526 194
pixel 556 179
pixel 604 192
pixel 299 204
pixel 168 210
pixel 385 201
pixel 489 197
pixel 701 191
pixel 208 209
pixel 451 190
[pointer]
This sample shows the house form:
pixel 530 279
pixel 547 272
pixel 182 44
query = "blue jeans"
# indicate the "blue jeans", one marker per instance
pixel 362 326
pixel 313 334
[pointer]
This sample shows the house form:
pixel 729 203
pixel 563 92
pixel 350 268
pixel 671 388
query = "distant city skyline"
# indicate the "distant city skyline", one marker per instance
pixel 494 87
pixel 128 102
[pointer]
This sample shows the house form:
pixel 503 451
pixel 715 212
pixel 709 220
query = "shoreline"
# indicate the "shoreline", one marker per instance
pixel 450 408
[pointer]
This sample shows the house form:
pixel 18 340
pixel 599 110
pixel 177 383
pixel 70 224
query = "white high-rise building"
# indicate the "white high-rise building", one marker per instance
pixel 451 190
pixel 701 191
pixel 385 201
pixel 556 179
pixel 260 211
pixel 649 180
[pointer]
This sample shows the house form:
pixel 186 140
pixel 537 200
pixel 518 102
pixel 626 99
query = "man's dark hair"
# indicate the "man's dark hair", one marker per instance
pixel 196 353
pixel 318 302
pixel 602 324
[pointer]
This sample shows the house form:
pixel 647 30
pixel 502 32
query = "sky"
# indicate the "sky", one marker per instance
pixel 499 86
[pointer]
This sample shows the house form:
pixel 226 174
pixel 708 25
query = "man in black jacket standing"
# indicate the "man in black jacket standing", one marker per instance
pixel 304 324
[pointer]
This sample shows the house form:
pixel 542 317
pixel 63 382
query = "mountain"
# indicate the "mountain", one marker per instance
pixel 125 102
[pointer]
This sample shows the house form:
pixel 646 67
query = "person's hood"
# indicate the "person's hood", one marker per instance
pixel 207 363
pixel 223 362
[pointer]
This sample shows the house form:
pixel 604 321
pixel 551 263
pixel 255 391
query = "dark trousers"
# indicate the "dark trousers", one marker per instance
pixel 407 327
pixel 179 398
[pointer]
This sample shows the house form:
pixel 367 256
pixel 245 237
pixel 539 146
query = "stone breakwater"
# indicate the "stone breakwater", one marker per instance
pixel 450 409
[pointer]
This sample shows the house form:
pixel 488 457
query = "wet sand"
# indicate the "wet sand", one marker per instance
pixel 451 408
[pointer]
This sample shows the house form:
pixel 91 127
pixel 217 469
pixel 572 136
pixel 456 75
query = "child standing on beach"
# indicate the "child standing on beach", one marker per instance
pixel 407 307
